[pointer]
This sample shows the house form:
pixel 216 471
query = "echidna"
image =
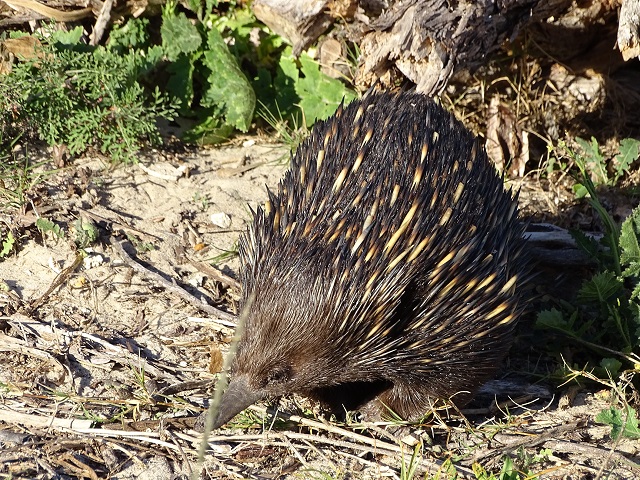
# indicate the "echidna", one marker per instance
pixel 387 270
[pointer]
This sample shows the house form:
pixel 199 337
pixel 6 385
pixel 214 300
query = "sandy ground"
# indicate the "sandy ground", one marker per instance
pixel 105 364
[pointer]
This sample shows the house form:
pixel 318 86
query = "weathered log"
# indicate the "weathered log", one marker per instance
pixel 300 22
pixel 427 41
pixel 629 29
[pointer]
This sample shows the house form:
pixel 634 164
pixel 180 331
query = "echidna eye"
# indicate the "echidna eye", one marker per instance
pixel 279 375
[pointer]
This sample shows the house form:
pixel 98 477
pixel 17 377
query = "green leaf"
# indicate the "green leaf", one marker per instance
pixel 600 289
pixel 45 225
pixel 509 470
pixel 480 472
pixel 551 319
pixel 71 37
pixel 228 88
pixel 630 251
pixel 580 191
pixel 277 94
pixel 179 35
pixel 588 244
pixel 629 245
pixel 209 131
pixel 629 148
pixel 611 365
pixel 86 233
pixel 180 83
pixel 134 33
pixel 594 160
pixel 7 244
pixel 623 423
pixel 320 95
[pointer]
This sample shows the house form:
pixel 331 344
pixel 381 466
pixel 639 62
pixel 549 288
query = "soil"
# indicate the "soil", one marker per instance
pixel 106 361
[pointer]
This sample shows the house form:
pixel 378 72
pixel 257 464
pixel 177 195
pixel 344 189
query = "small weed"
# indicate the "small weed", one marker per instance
pixel 140 245
pixel 248 419
pixel 509 471
pixel 202 201
pixel 225 255
pixel 18 180
pixel 80 96
pixel 291 132
pixel 596 164
pixel 86 233
pixel 408 470
pixel 447 471
pixel 8 244
pixel 624 422
pixel 47 227
pixel 606 314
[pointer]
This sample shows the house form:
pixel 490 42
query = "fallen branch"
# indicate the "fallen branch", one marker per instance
pixel 170 287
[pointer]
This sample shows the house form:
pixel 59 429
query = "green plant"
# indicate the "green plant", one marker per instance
pixel 408 470
pixel 86 233
pixel 8 243
pixel 606 314
pixel 623 422
pixel 19 178
pixel 46 226
pixel 290 91
pixel 225 255
pixel 596 164
pixel 205 76
pixel 509 470
pixel 83 97
pixel 140 245
pixel 202 201
pixel 286 130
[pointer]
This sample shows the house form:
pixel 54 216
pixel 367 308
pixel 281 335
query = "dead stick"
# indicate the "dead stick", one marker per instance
pixel 172 288
pixel 216 274
pixel 59 280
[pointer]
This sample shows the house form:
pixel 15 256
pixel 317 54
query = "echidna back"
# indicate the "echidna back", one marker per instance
pixel 391 253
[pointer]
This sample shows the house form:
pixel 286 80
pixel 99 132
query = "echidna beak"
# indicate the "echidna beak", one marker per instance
pixel 238 396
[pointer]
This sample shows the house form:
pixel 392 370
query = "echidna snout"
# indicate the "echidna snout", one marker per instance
pixel 388 269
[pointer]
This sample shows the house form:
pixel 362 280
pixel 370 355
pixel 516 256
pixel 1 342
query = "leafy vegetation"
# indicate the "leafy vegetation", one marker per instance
pixel 201 63
pixel 84 97
pixel 606 314
pixel 623 422
pixel 209 71
pixel 594 162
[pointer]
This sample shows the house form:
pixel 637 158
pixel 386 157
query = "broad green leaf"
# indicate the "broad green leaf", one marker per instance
pixel 46 225
pixel 628 154
pixel 320 95
pixel 611 365
pixel 629 246
pixel 71 37
pixel 179 35
pixel 228 88
pixel 623 422
pixel 552 319
pixel 600 289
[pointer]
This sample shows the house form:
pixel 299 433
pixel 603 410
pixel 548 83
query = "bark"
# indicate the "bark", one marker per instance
pixel 427 41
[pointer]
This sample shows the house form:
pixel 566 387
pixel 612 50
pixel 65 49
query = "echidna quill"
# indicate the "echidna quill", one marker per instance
pixel 386 271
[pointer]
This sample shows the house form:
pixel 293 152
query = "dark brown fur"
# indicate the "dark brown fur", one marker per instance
pixel 388 273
